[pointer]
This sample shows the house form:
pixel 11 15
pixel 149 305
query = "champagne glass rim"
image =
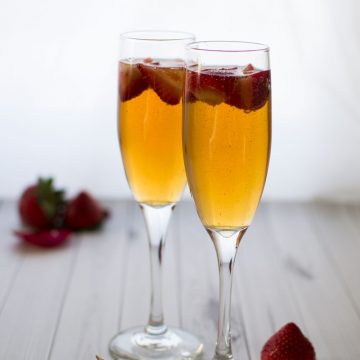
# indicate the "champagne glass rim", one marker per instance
pixel 227 46
pixel 157 35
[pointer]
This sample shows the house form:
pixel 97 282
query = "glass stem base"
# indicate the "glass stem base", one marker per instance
pixel 138 344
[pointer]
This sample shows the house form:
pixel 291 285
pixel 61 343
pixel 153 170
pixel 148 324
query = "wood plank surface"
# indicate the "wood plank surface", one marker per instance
pixel 199 281
pixel 30 315
pixel 329 317
pixel 265 300
pixel 10 259
pixel 297 262
pixel 93 302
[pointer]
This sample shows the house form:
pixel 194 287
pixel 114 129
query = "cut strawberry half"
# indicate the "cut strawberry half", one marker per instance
pixel 85 212
pixel 249 92
pixel 209 86
pixel 167 82
pixel 131 81
pixel 48 238
pixel 288 343
pixel 248 69
pixel 245 88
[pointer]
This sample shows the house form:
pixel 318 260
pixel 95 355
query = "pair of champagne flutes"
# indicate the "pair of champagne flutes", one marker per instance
pixel 199 111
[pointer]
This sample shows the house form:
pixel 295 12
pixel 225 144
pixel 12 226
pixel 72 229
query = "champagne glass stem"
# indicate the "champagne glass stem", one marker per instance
pixel 157 220
pixel 226 245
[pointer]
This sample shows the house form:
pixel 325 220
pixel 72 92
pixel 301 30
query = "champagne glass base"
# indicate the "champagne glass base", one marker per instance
pixel 137 344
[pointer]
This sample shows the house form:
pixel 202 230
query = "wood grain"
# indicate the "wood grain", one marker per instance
pixel 297 262
pixel 32 308
pixel 328 315
pixel 93 302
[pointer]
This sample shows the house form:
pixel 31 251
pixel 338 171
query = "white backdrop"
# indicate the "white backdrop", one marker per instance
pixel 58 74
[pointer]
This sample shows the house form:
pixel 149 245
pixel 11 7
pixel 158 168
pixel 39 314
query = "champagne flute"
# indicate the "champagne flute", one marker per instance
pixel 151 79
pixel 226 143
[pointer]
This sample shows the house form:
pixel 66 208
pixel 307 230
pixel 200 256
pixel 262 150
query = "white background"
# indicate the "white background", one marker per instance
pixel 58 74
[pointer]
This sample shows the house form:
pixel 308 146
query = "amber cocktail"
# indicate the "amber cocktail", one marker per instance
pixel 226 141
pixel 150 126
pixel 150 106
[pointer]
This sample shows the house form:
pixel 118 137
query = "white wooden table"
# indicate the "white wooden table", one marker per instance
pixel 298 262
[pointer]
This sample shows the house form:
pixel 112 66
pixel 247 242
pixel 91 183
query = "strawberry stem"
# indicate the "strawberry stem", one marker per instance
pixel 51 201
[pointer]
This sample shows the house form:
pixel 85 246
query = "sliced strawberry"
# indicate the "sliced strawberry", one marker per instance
pixel 208 86
pixel 131 82
pixel 167 82
pixel 210 95
pixel 189 97
pixel 48 238
pixel 151 61
pixel 288 343
pixel 248 69
pixel 229 85
pixel 249 92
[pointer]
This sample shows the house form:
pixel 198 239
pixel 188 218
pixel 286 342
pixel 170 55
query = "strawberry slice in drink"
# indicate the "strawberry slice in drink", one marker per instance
pixel 248 69
pixel 245 88
pixel 166 81
pixel 209 86
pixel 131 81
pixel 249 92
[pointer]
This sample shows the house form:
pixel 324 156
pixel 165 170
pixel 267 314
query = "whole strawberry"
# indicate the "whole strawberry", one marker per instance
pixel 84 212
pixel 288 343
pixel 41 205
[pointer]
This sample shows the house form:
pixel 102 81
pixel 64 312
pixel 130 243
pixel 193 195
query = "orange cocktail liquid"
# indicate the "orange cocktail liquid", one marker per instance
pixel 151 146
pixel 226 153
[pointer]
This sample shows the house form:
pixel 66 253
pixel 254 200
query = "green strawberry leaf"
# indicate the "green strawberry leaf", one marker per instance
pixel 51 200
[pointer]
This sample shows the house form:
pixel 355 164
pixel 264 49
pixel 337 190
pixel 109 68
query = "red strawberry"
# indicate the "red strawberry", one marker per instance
pixel 41 205
pixel 248 69
pixel 208 86
pixel 149 60
pixel 229 85
pixel 288 343
pixel 168 82
pixel 131 82
pixel 46 238
pixel 84 212
pixel 250 92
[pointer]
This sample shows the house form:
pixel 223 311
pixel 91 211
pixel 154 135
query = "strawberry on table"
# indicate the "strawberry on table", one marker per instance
pixel 45 238
pixel 84 212
pixel 50 219
pixel 288 343
pixel 41 205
